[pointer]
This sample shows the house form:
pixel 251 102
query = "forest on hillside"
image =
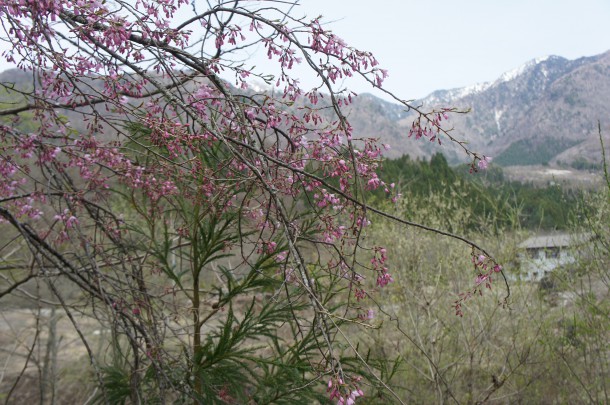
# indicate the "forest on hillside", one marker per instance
pixel 486 193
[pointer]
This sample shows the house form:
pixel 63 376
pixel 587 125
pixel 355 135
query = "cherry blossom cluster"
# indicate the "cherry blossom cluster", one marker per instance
pixel 485 267
pixel 351 60
pixel 379 267
pixel 343 393
pixel 429 125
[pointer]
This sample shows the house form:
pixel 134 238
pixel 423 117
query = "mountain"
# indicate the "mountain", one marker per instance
pixel 545 111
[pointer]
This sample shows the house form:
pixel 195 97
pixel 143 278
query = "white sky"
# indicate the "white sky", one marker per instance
pixel 441 44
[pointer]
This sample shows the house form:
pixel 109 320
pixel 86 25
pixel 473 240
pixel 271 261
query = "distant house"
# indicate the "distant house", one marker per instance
pixel 539 255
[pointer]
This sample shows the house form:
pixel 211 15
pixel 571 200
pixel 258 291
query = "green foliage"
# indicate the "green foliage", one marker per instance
pixel 9 99
pixel 580 163
pixel 527 152
pixel 241 350
pixel 485 194
pixel 229 317
pixel 116 389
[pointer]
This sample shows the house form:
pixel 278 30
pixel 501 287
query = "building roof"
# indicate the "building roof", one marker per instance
pixel 553 240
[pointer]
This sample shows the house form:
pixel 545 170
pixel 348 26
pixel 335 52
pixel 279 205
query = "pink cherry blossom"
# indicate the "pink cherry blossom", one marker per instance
pixel 484 162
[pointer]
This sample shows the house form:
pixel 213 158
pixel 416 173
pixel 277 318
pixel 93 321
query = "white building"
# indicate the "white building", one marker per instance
pixel 539 255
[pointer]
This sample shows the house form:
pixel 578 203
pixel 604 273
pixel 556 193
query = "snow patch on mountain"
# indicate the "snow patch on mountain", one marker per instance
pixel 497 116
pixel 473 89
pixel 259 86
pixel 448 96
pixel 514 73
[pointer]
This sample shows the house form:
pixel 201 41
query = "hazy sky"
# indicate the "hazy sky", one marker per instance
pixel 441 44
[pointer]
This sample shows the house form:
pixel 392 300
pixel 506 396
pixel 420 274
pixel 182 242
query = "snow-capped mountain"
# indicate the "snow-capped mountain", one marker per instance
pixel 546 110
pixel 543 111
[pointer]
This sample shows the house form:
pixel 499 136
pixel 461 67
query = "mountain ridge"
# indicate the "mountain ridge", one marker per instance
pixel 548 99
pixel 542 112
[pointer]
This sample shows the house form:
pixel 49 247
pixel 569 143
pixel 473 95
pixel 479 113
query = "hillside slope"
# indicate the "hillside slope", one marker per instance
pixel 543 112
